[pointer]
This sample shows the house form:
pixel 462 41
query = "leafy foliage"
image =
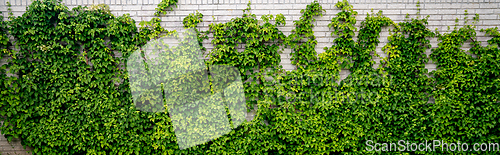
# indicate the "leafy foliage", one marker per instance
pixel 467 87
pixel 69 95
pixel 165 6
pixel 304 51
pixel 66 87
pixel 258 60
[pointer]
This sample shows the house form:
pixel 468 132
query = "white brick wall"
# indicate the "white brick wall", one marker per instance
pixel 442 14
pixel 13 147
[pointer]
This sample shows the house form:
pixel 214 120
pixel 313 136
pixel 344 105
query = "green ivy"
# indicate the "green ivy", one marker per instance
pixel 466 87
pixel 165 6
pixel 406 100
pixel 4 38
pixel 258 60
pixel 66 86
pixel 191 21
pixel 303 50
pixel 69 96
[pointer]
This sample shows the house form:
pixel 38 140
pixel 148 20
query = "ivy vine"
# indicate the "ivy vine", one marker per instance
pixel 66 86
pixel 164 6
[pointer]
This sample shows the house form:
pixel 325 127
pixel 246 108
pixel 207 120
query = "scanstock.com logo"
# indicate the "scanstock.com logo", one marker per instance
pixel 170 75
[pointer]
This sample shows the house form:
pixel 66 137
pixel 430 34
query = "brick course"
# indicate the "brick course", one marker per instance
pixel 442 14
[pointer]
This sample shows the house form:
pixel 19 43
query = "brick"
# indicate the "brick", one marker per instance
pixel 323 28
pixel 470 5
pixel 259 12
pixel 225 18
pixel 299 6
pixel 437 22
pixel 450 17
pixel 116 8
pixel 146 18
pixel 188 7
pixel 207 18
pixel 448 11
pixel 263 7
pixel 331 12
pixel 323 22
pixel 488 17
pixel 18 8
pixel 288 67
pixel 207 7
pixel 238 13
pixel 320 46
pixel 413 6
pixel 430 65
pixel 485 11
pixel 385 12
pixel 435 17
pixel 396 6
pixel 132 7
pixel 219 13
pixel 452 22
pixel 411 12
pixel 453 5
pixel 286 61
pixel 241 7
pixel 213 1
pixel 488 5
pixel 275 12
pixel 490 22
pixel 378 6
pixel 287 28
pixel 396 17
pixel 355 6
pixel 226 7
pixel 294 12
pixel 284 7
pixel 145 13
pixel 170 19
pixel 321 36
pixel 183 13
pixel 432 6
pixel 422 12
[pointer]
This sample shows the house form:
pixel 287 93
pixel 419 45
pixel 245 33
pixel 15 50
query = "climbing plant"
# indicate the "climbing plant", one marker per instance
pixel 4 39
pixel 359 94
pixel 66 86
pixel 68 95
pixel 4 53
pixel 406 100
pixel 303 51
pixel 258 59
pixel 164 6
pixel 466 88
